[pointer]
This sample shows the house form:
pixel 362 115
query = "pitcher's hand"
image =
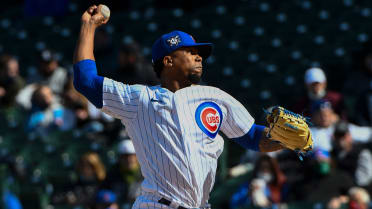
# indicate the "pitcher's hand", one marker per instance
pixel 93 16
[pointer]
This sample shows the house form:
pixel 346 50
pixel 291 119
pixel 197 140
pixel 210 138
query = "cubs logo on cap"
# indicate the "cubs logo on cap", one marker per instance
pixel 208 116
pixel 174 41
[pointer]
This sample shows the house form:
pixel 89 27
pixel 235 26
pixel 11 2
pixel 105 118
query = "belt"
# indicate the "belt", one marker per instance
pixel 168 202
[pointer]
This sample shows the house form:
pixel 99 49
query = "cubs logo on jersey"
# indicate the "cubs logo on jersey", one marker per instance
pixel 208 116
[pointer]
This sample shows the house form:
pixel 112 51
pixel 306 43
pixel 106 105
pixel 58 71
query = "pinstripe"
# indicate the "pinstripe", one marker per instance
pixel 178 160
pixel 166 123
pixel 124 97
pixel 231 127
pixel 202 159
pixel 203 94
pixel 161 171
pixel 187 152
pixel 195 152
pixel 123 94
pixel 119 109
pixel 191 141
pixel 120 102
pixel 122 88
pixel 148 145
pixel 204 200
pixel 170 148
pixel 142 144
pixel 183 148
pixel 119 106
pixel 244 116
pixel 238 107
pixel 114 114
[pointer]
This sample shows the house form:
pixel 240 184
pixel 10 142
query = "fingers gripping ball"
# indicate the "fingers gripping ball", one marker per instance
pixel 105 11
pixel 290 129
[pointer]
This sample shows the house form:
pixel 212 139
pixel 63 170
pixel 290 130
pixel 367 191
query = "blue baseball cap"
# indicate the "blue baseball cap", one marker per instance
pixel 174 40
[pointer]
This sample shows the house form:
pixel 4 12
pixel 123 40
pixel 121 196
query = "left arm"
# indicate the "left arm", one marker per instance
pixel 256 139
pixel 239 125
pixel 268 145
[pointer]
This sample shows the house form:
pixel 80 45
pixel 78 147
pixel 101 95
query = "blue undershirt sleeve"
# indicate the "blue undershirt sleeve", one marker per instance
pixel 87 82
pixel 251 139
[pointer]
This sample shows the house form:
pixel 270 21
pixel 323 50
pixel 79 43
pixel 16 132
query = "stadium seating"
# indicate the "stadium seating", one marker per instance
pixel 261 50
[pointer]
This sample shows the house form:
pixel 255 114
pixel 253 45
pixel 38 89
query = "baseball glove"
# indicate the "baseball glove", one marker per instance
pixel 290 129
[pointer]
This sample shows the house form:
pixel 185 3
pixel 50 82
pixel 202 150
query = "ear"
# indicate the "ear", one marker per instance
pixel 167 61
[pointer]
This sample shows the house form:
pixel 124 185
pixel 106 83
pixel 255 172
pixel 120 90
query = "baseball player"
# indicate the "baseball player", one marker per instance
pixel 174 126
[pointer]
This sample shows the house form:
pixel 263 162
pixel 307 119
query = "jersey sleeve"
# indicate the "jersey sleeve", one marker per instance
pixel 236 120
pixel 121 100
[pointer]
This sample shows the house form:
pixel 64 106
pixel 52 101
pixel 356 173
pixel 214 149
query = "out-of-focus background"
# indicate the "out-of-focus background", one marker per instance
pixel 313 57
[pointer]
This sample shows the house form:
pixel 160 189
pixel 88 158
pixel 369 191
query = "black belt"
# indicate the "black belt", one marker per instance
pixel 167 202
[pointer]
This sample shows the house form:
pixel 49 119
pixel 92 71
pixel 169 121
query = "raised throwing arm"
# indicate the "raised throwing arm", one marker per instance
pixel 86 80
pixel 90 20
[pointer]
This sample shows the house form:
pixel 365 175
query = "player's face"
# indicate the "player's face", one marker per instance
pixel 187 64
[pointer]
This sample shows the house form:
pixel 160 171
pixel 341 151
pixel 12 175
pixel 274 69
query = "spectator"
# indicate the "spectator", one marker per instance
pixel 352 158
pixel 267 186
pixel 91 173
pixel 325 119
pixel 79 115
pixel 125 177
pixel 322 181
pixel 358 198
pixel 133 69
pixel 50 73
pixel 316 85
pixel 106 199
pixel 76 107
pixel 46 113
pixel 10 80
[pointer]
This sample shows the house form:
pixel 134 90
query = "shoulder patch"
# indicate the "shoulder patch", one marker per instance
pixel 208 116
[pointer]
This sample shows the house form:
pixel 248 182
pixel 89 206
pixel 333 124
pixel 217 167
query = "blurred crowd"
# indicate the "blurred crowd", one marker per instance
pixel 337 174
pixel 46 102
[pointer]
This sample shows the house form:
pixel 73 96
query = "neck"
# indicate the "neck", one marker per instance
pixel 173 85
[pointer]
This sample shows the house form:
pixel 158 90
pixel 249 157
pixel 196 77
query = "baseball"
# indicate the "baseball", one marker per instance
pixel 105 11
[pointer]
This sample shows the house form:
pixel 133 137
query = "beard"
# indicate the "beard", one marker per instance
pixel 194 78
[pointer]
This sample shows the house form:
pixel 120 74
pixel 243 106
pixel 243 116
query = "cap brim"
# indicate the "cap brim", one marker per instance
pixel 205 49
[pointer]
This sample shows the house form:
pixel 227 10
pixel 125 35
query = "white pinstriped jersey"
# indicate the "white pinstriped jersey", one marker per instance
pixel 175 135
